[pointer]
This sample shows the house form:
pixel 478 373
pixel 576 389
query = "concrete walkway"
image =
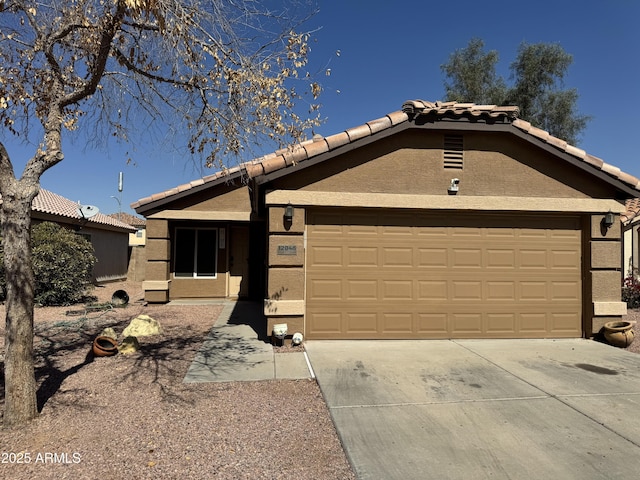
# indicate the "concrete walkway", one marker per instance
pixel 234 352
pixel 485 409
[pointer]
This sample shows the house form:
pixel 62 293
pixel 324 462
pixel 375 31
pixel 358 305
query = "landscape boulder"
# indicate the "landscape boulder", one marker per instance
pixel 142 326
pixel 109 332
pixel 129 345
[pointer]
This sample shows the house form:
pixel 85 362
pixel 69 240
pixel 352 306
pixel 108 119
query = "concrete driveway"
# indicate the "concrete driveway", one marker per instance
pixel 472 409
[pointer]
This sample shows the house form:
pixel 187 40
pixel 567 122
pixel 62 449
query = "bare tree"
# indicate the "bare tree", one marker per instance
pixel 218 74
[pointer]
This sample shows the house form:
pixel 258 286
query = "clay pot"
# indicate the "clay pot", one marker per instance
pixel 619 333
pixel 104 346
pixel 120 298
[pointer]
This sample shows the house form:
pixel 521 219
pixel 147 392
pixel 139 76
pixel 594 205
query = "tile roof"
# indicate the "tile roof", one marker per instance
pixel 54 204
pixel 632 210
pixel 411 110
pixel 129 219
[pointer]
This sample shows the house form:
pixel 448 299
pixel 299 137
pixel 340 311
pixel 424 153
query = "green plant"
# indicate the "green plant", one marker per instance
pixel 62 264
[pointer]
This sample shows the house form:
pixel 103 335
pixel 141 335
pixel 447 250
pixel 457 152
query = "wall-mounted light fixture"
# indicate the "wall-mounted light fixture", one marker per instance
pixel 288 213
pixel 608 219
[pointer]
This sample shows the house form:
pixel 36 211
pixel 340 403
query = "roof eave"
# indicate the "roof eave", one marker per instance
pixel 465 124
pixel 143 207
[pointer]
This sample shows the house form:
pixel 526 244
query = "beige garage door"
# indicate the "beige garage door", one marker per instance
pixel 384 274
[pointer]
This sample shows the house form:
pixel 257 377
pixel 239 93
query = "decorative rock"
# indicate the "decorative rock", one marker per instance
pixel 109 332
pixel 129 345
pixel 142 326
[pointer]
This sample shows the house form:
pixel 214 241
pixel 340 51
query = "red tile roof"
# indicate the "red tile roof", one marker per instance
pixel 129 219
pixel 54 204
pixel 632 210
pixel 411 110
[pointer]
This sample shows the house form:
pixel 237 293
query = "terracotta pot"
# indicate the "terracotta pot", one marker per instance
pixel 619 333
pixel 104 346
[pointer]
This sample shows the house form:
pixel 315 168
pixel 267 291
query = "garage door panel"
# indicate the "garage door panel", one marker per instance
pixel 565 290
pixel 466 324
pixel 443 277
pixel 501 323
pixel 465 291
pixel 432 325
pixel 397 257
pixel 361 257
pixel 325 325
pixel 322 289
pixel 533 259
pixel 362 290
pixel 432 258
pixel 396 324
pixel 563 322
pixel 360 324
pixel 564 259
pixel 533 290
pixel 325 256
pixel 503 258
pixel 504 291
pixel 432 290
pixel 397 290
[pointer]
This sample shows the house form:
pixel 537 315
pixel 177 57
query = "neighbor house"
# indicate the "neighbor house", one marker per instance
pixel 137 241
pixel 630 247
pixel 442 220
pixel 109 236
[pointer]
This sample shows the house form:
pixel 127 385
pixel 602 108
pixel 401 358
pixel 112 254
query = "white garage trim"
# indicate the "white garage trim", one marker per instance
pixel 442 202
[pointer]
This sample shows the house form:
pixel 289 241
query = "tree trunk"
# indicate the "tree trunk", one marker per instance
pixel 19 373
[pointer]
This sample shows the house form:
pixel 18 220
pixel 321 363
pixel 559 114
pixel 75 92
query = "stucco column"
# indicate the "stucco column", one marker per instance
pixel 157 276
pixel 605 272
pixel 285 280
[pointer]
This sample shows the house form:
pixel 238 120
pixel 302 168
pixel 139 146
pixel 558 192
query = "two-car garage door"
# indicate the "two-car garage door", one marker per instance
pixel 389 274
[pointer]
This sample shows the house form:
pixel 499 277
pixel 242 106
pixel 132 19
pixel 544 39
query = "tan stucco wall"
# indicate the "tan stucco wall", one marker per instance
pixel 135 240
pixel 158 249
pixel 285 280
pixel 605 254
pixel 226 198
pixel 199 287
pixel 604 273
pixel 156 284
pixel 137 264
pixel 412 163
pixel 160 285
pixel 286 283
pixel 294 324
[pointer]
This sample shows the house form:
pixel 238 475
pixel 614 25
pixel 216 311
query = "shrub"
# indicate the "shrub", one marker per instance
pixel 62 265
pixel 631 291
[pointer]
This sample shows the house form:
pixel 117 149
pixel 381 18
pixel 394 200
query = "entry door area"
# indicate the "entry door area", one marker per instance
pixel 376 274
pixel 239 261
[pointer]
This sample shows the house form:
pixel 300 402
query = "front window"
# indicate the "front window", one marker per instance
pixel 196 252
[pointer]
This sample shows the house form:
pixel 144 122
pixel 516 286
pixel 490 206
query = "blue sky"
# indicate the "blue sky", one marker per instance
pixel 391 52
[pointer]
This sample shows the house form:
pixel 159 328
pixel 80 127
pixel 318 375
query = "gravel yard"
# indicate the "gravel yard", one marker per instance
pixel 132 417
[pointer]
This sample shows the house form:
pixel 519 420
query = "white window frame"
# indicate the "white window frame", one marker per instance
pixel 195 253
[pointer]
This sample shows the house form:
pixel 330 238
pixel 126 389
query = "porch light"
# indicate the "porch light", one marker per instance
pixel 288 212
pixel 609 218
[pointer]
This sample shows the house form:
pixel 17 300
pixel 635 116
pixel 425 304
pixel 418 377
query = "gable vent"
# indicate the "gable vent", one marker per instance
pixel 453 152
